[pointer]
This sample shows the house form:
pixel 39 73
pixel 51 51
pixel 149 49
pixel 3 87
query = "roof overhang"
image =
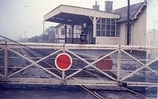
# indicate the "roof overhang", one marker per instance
pixel 74 15
pixel 139 10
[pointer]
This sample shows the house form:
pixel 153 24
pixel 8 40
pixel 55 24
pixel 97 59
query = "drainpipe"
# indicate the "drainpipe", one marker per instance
pixel 72 35
pixel 128 23
pixel 65 26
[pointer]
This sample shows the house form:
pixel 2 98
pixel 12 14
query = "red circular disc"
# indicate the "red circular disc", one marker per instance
pixel 105 64
pixel 63 61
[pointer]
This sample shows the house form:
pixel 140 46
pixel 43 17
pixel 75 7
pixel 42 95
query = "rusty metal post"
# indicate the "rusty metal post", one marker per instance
pixel 119 63
pixel 5 62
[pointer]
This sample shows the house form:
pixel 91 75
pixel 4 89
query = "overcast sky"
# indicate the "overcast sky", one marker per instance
pixel 21 18
pixel 152 15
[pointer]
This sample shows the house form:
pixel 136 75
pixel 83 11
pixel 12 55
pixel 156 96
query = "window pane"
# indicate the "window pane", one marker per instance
pixel 113 27
pixel 98 26
pixel 112 21
pixel 103 27
pixel 98 33
pixel 108 33
pixel 103 33
pixel 62 31
pixel 108 27
pixel 103 20
pixel 112 33
pixel 108 21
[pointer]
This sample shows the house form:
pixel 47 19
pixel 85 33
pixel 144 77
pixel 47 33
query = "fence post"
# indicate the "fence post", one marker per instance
pixel 119 63
pixel 63 72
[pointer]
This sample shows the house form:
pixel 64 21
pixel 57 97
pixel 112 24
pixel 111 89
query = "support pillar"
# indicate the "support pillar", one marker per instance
pixel 72 33
pixel 94 21
pixel 65 26
pixel 94 29
pixel 5 62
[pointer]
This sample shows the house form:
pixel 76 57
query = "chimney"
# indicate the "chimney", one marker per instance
pixel 96 6
pixel 108 6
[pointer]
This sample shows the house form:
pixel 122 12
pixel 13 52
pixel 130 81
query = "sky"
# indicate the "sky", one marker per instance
pixel 152 15
pixel 152 22
pixel 24 18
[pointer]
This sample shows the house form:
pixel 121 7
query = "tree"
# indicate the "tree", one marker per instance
pixel 47 36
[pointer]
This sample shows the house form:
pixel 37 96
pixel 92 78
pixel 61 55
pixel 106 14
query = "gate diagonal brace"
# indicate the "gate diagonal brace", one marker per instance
pixel 142 67
pixel 91 64
pixel 1 49
pixel 35 63
pixel 1 75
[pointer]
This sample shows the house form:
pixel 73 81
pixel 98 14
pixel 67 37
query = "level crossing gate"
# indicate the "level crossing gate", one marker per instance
pixel 34 63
